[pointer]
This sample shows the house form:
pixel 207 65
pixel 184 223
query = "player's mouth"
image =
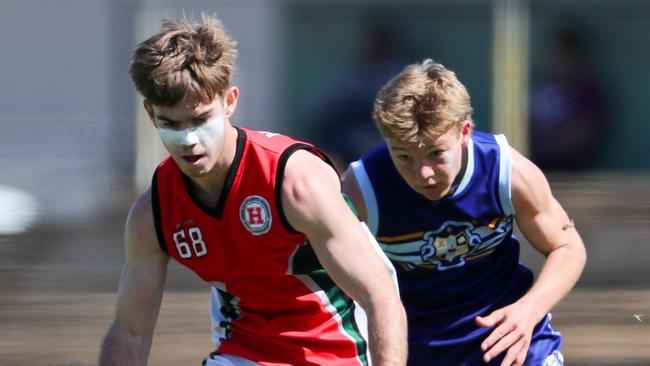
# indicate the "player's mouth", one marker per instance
pixel 192 159
pixel 430 187
pixel 434 191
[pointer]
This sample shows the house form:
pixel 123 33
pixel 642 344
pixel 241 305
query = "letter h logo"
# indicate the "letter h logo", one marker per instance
pixel 254 215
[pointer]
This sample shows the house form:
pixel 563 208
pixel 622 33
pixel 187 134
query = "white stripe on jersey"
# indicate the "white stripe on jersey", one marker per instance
pixel 368 195
pixel 228 360
pixel 505 172
pixel 469 169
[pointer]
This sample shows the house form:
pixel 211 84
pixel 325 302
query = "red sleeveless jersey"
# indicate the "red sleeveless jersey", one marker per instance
pixel 272 301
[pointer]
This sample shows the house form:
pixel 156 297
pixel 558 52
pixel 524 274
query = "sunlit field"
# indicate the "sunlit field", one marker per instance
pixel 58 284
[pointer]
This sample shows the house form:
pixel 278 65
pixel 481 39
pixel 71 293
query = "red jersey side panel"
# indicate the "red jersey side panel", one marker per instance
pixel 274 304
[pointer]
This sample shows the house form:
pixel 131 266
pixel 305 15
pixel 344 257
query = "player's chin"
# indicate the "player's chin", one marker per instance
pixel 435 197
pixel 434 193
pixel 195 170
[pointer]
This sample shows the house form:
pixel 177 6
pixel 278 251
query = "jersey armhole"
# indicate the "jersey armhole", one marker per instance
pixel 368 193
pixel 155 206
pixel 279 175
pixel 505 174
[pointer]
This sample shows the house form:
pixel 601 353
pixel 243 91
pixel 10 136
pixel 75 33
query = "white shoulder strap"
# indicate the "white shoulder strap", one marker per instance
pixel 505 173
pixel 368 195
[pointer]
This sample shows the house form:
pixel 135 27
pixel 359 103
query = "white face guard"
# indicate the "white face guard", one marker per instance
pixel 209 133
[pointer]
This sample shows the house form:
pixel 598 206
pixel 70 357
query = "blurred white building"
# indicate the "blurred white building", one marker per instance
pixel 69 114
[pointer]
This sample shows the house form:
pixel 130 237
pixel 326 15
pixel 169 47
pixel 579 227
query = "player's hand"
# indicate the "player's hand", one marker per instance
pixel 513 330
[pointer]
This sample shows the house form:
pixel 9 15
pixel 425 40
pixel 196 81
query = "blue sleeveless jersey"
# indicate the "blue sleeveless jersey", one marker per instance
pixel 456 258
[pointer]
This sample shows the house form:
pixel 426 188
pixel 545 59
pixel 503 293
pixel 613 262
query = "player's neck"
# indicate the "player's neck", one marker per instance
pixel 463 167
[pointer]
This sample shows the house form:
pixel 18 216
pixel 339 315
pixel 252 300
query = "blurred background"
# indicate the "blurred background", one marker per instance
pixel 567 81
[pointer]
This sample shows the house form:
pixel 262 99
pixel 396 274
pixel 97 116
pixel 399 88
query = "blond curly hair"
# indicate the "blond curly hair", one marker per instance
pixel 421 103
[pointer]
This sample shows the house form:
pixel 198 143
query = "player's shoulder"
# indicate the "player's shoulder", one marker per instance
pixel 140 230
pixel 141 207
pixel 528 182
pixel 522 168
pixel 307 178
pixel 304 164
pixel 310 190
pixel 270 141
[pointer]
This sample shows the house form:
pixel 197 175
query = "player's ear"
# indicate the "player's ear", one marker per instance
pixel 231 96
pixel 149 108
pixel 466 131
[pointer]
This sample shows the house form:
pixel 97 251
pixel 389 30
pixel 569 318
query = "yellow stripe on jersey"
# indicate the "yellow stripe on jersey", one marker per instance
pixel 393 239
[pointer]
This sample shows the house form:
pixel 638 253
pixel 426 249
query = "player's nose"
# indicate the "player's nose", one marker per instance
pixel 425 171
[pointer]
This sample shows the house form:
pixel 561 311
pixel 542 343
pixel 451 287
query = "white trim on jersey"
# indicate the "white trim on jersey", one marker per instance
pixel 469 169
pixel 228 360
pixel 382 255
pixel 368 193
pixel 505 173
pixel 360 316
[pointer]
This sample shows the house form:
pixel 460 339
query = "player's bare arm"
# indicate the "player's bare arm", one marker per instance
pixel 548 228
pixel 313 204
pixel 140 292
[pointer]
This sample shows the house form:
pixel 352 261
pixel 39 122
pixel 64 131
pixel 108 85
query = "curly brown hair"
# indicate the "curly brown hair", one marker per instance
pixel 195 60
pixel 423 102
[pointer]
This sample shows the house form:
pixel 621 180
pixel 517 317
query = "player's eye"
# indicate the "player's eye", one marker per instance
pixel 199 121
pixel 169 125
